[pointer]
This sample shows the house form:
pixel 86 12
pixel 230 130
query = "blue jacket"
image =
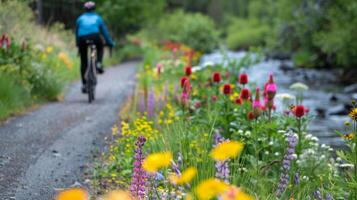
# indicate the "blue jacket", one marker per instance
pixel 91 23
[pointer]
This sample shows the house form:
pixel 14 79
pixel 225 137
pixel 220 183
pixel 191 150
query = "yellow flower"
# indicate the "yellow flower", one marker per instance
pixel 211 188
pixel 349 136
pixel 49 49
pixel 118 195
pixel 225 150
pixel 73 194
pixel 115 130
pixel 234 193
pixel 347 123
pixel 353 114
pixel 155 161
pixel 186 176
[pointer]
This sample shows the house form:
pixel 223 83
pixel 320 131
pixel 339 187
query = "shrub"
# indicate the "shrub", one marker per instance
pixel 196 30
pixel 244 33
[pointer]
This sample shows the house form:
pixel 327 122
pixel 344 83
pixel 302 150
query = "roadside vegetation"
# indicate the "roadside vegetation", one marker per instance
pixel 209 132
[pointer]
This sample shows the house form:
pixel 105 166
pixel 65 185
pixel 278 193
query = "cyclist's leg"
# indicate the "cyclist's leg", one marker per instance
pixel 84 59
pixel 100 51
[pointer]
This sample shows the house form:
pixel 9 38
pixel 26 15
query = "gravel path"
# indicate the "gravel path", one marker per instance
pixel 51 147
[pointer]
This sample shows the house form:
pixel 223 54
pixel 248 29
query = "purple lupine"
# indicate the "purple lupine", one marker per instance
pixel 288 158
pixel 222 168
pixel 317 195
pixel 296 178
pixel 138 181
pixel 328 196
pixel 151 103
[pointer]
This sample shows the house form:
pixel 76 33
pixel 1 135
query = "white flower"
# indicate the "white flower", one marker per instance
pixel 240 131
pixel 248 133
pixel 266 152
pixel 315 139
pixel 276 153
pixel 308 136
pixel 299 87
pixel 285 96
pixel 271 143
pixel 294 156
pixel 208 64
pixel 305 178
pixel 346 165
pixel 338 159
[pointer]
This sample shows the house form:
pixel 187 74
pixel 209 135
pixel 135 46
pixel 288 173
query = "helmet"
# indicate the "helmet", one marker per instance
pixel 89 6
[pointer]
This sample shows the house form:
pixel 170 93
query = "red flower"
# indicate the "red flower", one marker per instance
pixel 245 94
pixel 183 81
pixel 216 77
pixel 214 98
pixel 251 116
pixel 243 78
pixel 188 70
pixel 238 101
pixel 197 104
pixel 299 111
pixel 227 89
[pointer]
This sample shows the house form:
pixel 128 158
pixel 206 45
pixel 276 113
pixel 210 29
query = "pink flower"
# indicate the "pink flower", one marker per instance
pixel 5 41
pixel 270 88
pixel 158 67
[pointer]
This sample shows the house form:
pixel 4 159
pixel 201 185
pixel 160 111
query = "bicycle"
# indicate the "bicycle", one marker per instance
pixel 91 73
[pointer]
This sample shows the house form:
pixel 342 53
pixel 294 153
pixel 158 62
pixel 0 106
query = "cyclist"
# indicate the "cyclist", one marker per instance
pixel 90 26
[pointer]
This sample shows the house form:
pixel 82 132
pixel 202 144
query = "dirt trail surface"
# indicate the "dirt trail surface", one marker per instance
pixel 50 148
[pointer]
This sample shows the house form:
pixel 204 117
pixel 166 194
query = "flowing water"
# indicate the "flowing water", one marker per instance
pixel 325 99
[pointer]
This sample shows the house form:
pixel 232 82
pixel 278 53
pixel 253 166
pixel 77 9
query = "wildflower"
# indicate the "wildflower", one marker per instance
pixel 225 150
pixel 245 94
pixel 216 77
pixel 243 78
pixel 234 193
pixel 197 104
pixel 251 116
pixel 118 195
pixel 288 158
pixel 270 88
pixel 158 68
pixel 256 103
pixel 317 195
pixel 238 101
pixel 353 114
pixel 299 111
pixel 185 177
pixel 227 89
pixel 348 136
pixel 214 98
pixel 222 168
pixel 183 81
pixel 188 70
pixel 49 49
pixel 5 41
pixel 155 161
pixel 299 87
pixel 210 188
pixel 184 98
pixel 138 181
pixel 73 194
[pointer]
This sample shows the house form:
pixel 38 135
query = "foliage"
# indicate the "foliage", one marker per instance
pixel 195 30
pixel 185 119
pixel 125 16
pixel 244 33
pixel 39 64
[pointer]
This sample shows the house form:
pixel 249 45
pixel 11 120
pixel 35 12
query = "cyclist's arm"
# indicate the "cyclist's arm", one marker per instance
pixel 104 31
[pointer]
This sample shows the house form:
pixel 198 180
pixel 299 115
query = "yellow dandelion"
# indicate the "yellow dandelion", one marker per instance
pixel 225 150
pixel 186 176
pixel 353 114
pixel 155 161
pixel 234 193
pixel 210 188
pixel 73 194
pixel 118 195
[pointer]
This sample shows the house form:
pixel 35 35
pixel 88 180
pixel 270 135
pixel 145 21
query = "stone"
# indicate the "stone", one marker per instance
pixel 351 88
